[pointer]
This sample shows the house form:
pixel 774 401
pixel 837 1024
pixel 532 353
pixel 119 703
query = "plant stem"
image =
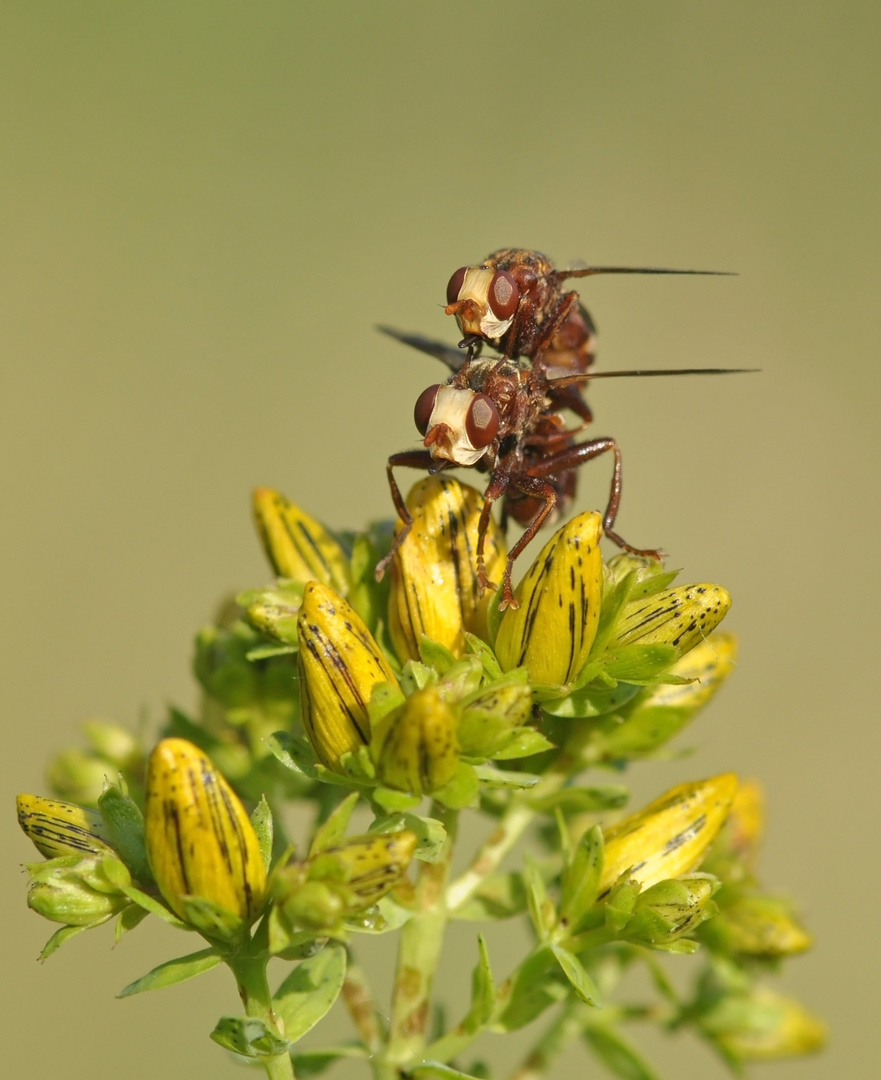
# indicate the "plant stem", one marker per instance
pixel 250 973
pixel 419 952
pixel 359 1001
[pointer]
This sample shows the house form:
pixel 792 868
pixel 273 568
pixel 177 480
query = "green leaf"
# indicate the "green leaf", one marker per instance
pixel 332 831
pixel 435 655
pixel 583 985
pixel 430 833
pixel 310 990
pixel 436 1070
pixel 485 655
pixel 576 800
pixel 591 701
pixel 462 790
pixel 483 991
pixel 267 652
pixel 533 989
pixel 581 878
pixel 294 753
pixel 172 972
pixel 619 1057
pixel 261 819
pixel 640 663
pixel 313 1062
pixel 394 802
pixel 129 918
pixel 153 906
pixel 536 896
pixel 248 1036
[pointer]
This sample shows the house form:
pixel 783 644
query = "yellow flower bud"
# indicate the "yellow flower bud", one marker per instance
pixel 668 837
pixel 760 926
pixel 708 665
pixel 75 893
pixel 339 664
pixel 552 630
pixel 416 747
pixel 434 589
pixel 682 617
pixel 764 1026
pixel 62 828
pixel 297 546
pixel 200 842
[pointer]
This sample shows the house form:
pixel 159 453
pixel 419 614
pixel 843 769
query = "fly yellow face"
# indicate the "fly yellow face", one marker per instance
pixel 483 300
pixel 458 425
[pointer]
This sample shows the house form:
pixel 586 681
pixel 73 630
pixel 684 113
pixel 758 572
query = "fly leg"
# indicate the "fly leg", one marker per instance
pixel 496 489
pixel 538 489
pixel 414 459
pixel 577 455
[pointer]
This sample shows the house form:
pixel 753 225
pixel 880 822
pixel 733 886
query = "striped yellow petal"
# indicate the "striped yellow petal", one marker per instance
pixel 434 589
pixel 416 747
pixel 670 836
pixel 369 865
pixel 682 617
pixel 339 664
pixel 552 630
pixel 297 546
pixel 62 828
pixel 200 842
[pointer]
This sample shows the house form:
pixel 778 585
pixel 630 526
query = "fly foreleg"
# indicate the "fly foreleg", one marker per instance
pixel 414 459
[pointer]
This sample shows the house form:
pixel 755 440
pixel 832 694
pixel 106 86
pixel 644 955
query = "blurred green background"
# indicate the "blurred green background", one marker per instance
pixel 205 209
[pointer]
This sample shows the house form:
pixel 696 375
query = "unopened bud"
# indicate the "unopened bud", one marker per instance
pixel 552 630
pixel 681 616
pixel 669 909
pixel 668 837
pixel 200 842
pixel 74 891
pixel 62 828
pixel 339 664
pixel 758 926
pixel 434 590
pixel 763 1026
pixel 297 546
pixel 416 747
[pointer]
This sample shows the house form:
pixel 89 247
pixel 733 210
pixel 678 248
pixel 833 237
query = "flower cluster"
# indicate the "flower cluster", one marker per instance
pixel 361 699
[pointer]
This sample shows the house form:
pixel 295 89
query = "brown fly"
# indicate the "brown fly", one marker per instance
pixel 502 414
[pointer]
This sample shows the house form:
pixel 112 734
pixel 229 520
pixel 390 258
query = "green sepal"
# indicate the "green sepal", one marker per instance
pixel 287 942
pixel 269 652
pixel 213 921
pixel 540 911
pixel 500 778
pixel 619 904
pixel 384 698
pixel 173 971
pixel 125 826
pixel 332 831
pixel 437 1070
pixel 128 919
pixel 640 664
pixel 393 802
pixel 592 701
pixel 486 656
pixel 524 742
pixel 462 791
pixel 583 985
pixel 249 1037
pixel 308 993
pixel 578 800
pixel 273 611
pixel 61 936
pixel 430 833
pixel 153 906
pixel 434 655
pixel 619 1057
pixel 261 819
pixel 580 879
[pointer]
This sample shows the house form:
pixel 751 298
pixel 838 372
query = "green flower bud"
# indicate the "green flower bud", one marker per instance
pixel 434 588
pixel 670 836
pixel 62 828
pixel 339 665
pixel 553 628
pixel 200 842
pixel 115 744
pixel 763 1026
pixel 78 775
pixel 297 546
pixel 490 715
pixel 74 891
pixel 416 746
pixel 681 616
pixel 342 881
pixel 759 926
pixel 668 910
pixel 274 611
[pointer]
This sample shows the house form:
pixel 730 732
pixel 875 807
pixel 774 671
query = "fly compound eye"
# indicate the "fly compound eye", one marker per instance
pixel 425 407
pixel 454 287
pixel 503 295
pixel 481 421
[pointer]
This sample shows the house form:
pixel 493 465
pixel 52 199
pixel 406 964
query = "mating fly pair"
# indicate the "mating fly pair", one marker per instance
pixel 502 414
